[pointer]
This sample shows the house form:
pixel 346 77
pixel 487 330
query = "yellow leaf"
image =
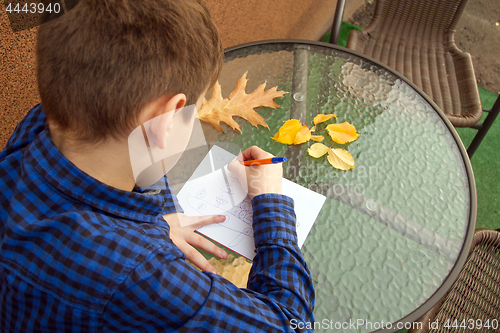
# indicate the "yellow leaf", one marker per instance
pixel 233 269
pixel 313 128
pixel 340 159
pixel 322 118
pixel 317 150
pixel 317 138
pixel 288 132
pixel 342 133
pixel 304 135
pixel 217 110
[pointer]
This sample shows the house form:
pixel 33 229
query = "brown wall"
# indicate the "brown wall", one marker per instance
pixel 250 20
pixel 238 21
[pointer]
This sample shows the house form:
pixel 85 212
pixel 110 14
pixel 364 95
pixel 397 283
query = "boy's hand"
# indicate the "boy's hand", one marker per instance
pixel 259 179
pixel 182 233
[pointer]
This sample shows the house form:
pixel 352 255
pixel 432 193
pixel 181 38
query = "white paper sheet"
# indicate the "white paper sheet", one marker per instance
pixel 210 192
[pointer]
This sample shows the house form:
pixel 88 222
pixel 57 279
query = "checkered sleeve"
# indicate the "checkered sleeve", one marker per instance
pixel 274 218
pixel 279 270
pixel 27 129
pixel 166 293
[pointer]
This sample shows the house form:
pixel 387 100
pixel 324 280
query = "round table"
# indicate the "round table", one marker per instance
pixel 394 231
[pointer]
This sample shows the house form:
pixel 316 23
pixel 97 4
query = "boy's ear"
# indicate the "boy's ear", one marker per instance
pixel 162 124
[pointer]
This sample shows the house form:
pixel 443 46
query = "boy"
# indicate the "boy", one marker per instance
pixel 81 248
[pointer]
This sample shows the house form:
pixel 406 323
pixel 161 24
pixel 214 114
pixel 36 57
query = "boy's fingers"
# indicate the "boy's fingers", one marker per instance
pixel 199 221
pixel 206 245
pixel 254 153
pixel 196 222
pixel 240 157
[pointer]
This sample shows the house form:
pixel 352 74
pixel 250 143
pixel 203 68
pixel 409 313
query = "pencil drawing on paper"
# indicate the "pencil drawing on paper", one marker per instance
pixel 214 190
pixel 238 223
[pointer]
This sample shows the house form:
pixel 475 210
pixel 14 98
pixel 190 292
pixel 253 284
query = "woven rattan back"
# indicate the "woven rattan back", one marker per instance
pixel 474 295
pixel 415 20
pixel 416 38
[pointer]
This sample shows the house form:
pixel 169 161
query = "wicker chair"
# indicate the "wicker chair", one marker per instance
pixel 474 295
pixel 416 38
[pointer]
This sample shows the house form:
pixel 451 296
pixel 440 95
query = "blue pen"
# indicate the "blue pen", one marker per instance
pixel 263 161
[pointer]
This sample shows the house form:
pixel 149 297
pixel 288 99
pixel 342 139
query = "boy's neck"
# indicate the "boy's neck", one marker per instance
pixel 107 161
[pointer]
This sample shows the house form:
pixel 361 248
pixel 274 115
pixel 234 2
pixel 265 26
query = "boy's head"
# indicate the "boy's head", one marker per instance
pixel 101 63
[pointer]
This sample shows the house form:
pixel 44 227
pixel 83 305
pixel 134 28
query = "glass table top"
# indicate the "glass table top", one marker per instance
pixel 391 229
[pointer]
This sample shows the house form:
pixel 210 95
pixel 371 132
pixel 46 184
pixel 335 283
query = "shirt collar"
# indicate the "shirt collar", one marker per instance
pixel 70 181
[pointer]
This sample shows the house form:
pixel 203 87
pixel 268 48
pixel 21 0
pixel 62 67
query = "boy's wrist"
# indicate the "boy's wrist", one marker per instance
pixel 273 218
pixel 271 196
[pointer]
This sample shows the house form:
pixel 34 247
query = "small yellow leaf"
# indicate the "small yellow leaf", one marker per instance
pixel 317 150
pixel 342 133
pixel 322 118
pixel 313 128
pixel 340 159
pixel 317 138
pixel 304 135
pixel 288 132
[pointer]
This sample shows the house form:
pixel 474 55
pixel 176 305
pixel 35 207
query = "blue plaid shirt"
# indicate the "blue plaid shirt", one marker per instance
pixel 80 256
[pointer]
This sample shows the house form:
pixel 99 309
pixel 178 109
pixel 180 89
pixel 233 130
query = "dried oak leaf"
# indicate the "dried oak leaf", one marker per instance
pixel 239 103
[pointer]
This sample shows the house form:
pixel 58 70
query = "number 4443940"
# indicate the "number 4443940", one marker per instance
pixel 472 324
pixel 33 8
